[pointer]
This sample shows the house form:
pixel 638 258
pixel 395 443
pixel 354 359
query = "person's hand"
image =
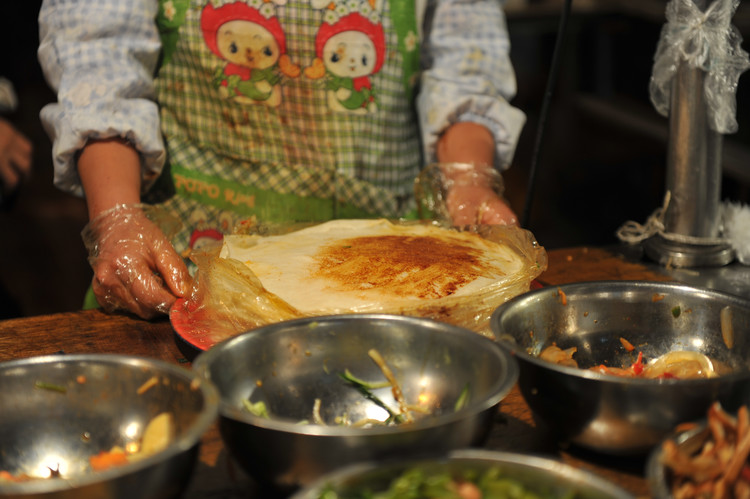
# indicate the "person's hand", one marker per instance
pixel 135 266
pixel 15 157
pixel 474 195
pixel 473 188
pixel 477 204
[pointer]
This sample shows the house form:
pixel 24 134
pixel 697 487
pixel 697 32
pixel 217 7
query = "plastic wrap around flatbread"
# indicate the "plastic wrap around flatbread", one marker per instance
pixel 364 266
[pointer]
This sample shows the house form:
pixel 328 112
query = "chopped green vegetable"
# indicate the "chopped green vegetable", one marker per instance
pixel 257 409
pixel 348 376
pixel 50 386
pixel 365 388
pixel 463 399
pixel 419 483
pixel 328 494
pixel 676 311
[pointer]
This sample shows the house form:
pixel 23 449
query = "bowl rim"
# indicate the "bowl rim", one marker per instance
pixel 553 466
pixel 501 388
pixel 619 286
pixel 189 439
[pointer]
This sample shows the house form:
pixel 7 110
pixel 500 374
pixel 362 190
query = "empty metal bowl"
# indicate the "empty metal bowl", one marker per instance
pixel 59 410
pixel 541 476
pixel 612 414
pixel 294 368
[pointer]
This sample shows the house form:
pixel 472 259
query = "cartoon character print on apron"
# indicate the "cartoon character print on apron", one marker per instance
pixel 253 44
pixel 287 110
pixel 349 49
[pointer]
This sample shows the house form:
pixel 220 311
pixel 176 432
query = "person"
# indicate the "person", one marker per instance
pixel 16 150
pixel 220 111
pixel 16 153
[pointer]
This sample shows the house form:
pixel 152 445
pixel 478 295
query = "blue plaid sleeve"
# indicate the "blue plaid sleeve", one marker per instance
pixel 468 75
pixel 100 57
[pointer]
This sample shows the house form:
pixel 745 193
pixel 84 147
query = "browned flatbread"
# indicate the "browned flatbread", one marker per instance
pixel 360 265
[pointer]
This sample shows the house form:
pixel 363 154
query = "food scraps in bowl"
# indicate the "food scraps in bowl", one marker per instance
pixel 403 413
pixel 677 364
pixel 159 432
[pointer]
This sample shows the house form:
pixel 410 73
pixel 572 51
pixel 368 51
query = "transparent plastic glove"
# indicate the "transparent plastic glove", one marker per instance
pixel 464 194
pixel 136 268
pixel 476 204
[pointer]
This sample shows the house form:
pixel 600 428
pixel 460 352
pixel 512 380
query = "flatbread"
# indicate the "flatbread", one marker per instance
pixel 361 265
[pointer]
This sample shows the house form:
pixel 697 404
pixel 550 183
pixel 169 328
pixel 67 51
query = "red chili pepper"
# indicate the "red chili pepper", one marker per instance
pixel 637 366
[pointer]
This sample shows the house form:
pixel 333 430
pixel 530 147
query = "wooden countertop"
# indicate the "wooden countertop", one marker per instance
pixel 216 475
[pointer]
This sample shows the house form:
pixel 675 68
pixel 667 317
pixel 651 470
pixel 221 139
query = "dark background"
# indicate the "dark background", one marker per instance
pixel 602 162
pixel 43 265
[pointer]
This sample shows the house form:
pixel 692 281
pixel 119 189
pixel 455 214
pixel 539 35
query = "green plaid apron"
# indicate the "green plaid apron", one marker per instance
pixel 286 110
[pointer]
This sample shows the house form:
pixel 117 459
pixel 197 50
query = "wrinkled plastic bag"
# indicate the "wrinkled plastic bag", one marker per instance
pixel 735 226
pixel 228 298
pixel 704 40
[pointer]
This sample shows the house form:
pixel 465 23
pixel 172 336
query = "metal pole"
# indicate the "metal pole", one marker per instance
pixel 693 179
pixel 693 160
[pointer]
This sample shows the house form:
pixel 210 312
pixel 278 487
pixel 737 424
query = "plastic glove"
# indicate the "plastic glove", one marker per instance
pixel 470 205
pixel 136 268
pixel 15 157
pixel 473 195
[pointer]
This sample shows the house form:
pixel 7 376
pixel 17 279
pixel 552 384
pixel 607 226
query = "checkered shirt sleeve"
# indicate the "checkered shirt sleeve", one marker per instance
pixel 100 57
pixel 469 75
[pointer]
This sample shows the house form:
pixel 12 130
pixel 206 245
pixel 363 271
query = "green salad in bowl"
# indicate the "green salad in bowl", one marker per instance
pixel 463 474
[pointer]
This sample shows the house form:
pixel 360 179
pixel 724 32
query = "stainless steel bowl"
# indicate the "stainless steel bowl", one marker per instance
pixel 289 365
pixel 544 476
pixel 622 415
pixel 59 410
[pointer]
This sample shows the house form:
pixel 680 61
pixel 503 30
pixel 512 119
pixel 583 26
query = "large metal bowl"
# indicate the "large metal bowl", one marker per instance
pixel 290 364
pixel 542 476
pixel 611 414
pixel 59 410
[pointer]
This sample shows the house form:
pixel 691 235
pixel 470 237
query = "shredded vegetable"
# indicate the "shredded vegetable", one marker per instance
pixel 50 386
pixel 463 399
pixel 678 364
pixel 395 388
pixel 365 389
pixel 257 409
pixel 404 413
pixel 716 464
